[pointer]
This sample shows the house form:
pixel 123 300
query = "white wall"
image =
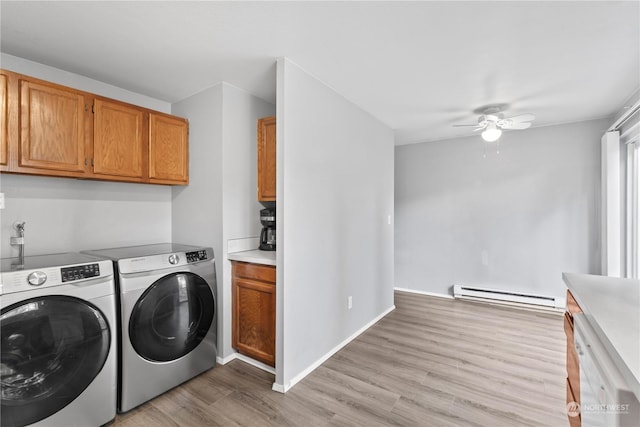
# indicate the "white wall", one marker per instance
pixel 76 81
pixel 197 208
pixel 220 202
pixel 514 220
pixel 64 214
pixel 335 195
pixel 240 206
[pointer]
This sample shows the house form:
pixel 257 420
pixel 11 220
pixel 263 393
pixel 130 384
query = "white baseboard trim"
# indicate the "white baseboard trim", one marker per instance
pixel 283 388
pixel 245 359
pixel 278 387
pixel 255 363
pixel 225 360
pixel 431 294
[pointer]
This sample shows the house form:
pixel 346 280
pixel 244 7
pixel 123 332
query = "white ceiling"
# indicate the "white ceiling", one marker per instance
pixel 419 67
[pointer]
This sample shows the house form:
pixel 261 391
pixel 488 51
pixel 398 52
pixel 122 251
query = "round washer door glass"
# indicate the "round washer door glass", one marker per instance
pixel 171 317
pixel 52 348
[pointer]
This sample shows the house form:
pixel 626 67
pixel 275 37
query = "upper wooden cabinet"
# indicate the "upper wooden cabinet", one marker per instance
pixel 267 159
pixel 53 130
pixel 51 127
pixel 168 149
pixel 4 113
pixel 117 139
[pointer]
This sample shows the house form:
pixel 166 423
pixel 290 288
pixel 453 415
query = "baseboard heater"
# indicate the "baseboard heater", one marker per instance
pixel 507 297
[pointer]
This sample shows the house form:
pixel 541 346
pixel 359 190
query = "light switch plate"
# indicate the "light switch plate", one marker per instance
pixel 1 200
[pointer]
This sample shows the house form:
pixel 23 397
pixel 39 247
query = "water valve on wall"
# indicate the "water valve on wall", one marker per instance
pixel 19 242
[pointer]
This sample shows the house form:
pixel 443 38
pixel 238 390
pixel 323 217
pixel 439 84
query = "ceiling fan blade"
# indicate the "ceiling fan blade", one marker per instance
pixel 522 118
pixel 518 126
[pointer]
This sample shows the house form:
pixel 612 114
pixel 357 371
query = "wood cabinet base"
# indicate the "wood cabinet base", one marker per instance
pixel 254 311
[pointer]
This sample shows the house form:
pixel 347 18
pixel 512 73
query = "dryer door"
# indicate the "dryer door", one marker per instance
pixel 52 348
pixel 171 317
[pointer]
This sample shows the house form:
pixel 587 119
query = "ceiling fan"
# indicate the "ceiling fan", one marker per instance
pixel 492 122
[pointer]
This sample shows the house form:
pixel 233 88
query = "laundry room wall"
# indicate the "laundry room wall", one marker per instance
pixel 64 214
pixel 335 222
pixel 220 202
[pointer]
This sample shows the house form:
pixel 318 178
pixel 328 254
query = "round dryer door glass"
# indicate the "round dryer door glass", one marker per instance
pixel 52 348
pixel 171 317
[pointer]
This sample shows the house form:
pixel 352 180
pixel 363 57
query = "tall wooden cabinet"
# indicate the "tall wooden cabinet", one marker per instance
pixel 54 130
pixel 573 366
pixel 267 159
pixel 254 310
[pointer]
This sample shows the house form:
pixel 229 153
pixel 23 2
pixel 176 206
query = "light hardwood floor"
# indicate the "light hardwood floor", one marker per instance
pixel 430 362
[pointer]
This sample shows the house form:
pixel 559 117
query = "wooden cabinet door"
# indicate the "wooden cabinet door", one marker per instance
pixel 254 318
pixel 168 149
pixel 51 127
pixel 4 118
pixel 117 139
pixel 267 159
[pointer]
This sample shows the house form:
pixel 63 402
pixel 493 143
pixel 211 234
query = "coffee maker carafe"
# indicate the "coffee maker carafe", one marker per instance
pixel 268 234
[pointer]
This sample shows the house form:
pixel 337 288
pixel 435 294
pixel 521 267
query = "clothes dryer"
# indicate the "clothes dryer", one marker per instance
pixel 58 348
pixel 168 316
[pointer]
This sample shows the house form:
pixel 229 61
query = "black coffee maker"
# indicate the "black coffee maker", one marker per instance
pixel 268 234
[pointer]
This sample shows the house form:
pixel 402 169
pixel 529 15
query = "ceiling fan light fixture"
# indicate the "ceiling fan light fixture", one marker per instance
pixel 491 133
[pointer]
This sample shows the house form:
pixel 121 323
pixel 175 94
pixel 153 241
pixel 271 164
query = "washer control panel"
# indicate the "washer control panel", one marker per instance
pixel 174 259
pixel 78 272
pixel 196 256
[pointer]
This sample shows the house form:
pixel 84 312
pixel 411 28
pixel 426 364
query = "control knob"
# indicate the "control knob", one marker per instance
pixel 174 259
pixel 37 278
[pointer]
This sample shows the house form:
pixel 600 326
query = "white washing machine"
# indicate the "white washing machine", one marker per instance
pixel 58 348
pixel 168 317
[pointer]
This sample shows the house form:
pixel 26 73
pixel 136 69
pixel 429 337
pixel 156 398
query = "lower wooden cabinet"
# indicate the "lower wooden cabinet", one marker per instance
pixel 254 310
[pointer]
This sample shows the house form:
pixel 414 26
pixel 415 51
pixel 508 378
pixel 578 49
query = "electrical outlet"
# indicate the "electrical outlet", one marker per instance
pixel 349 302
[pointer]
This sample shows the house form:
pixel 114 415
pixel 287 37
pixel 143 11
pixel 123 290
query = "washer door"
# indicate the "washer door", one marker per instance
pixel 171 317
pixel 52 348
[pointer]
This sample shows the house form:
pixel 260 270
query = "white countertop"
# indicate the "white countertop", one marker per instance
pixel 612 308
pixel 255 256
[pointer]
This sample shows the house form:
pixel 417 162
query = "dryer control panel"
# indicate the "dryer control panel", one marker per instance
pixel 196 256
